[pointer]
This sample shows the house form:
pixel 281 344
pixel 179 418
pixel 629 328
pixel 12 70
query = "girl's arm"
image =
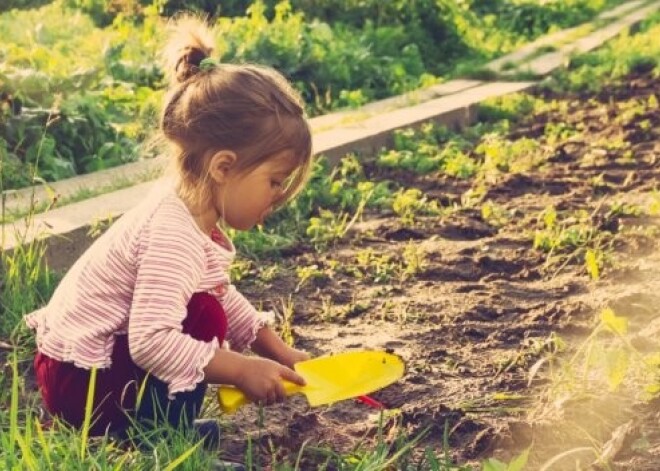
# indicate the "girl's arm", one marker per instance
pixel 269 345
pixel 247 329
pixel 259 378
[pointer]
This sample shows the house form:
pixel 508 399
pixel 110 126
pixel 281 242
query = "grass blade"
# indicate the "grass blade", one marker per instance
pixel 183 457
pixel 88 413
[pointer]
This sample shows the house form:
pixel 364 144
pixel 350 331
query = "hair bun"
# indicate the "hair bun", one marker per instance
pixel 188 64
pixel 190 42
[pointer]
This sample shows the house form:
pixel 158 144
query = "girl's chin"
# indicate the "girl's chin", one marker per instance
pixel 241 226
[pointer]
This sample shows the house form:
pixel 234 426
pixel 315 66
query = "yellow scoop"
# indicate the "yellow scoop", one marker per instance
pixel 331 378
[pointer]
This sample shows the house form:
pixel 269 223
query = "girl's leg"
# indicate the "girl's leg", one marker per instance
pixel 64 390
pixel 64 386
pixel 206 319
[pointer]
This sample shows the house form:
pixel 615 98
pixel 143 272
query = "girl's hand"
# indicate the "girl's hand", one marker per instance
pixel 290 356
pixel 269 345
pixel 261 380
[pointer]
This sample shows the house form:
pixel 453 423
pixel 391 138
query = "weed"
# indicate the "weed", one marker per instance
pixel 311 272
pixel 457 163
pixel 240 269
pixel 494 214
pixel 414 260
pixel 267 273
pixel 654 204
pixel 99 225
pixel 607 358
pixel 516 464
pixel 409 204
pixel 503 155
pixel 285 317
pixel 556 133
pixel 573 238
pixel 379 268
pixel 530 350
pixel 329 227
pixel 593 261
pixel 509 107
pixel 29 445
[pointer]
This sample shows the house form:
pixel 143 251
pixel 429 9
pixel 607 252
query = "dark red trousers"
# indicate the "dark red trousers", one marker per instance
pixel 64 386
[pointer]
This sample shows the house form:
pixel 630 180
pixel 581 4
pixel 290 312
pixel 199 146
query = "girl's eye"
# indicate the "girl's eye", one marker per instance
pixel 275 184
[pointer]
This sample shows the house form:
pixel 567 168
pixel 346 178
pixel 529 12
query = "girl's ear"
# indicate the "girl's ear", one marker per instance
pixel 220 165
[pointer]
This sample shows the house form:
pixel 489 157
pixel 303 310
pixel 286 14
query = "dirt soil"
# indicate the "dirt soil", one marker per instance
pixel 485 307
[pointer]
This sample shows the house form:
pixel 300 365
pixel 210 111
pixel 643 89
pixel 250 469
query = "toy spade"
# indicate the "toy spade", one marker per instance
pixel 331 378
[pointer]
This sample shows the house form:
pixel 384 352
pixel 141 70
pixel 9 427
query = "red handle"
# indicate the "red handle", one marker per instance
pixel 371 402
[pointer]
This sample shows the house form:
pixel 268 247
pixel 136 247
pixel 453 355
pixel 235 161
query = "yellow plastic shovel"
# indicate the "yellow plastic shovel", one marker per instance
pixel 331 378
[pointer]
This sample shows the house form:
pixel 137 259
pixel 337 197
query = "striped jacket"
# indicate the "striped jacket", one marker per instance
pixel 137 279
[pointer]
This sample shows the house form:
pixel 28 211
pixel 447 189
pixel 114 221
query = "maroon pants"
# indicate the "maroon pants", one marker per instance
pixel 64 386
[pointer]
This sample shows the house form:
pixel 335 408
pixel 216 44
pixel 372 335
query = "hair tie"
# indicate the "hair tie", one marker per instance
pixel 208 64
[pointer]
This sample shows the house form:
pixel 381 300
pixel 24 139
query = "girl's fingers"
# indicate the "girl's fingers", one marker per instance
pixel 290 375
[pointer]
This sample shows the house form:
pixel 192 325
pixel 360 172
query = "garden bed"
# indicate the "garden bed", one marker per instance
pixel 469 302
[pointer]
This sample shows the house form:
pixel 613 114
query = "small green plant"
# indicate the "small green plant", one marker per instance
pixel 573 238
pixel 494 214
pixel 654 204
pixel 556 133
pixel 510 107
pixel 516 464
pixel 414 260
pixel 377 267
pixel 328 227
pixel 285 317
pixel 593 261
pixel 312 272
pixel 410 203
pixel 457 163
pixel 503 155
pixel 240 269
pixel 99 225
pixel 530 351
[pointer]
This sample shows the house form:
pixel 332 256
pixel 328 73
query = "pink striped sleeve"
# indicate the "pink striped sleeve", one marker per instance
pixel 243 320
pixel 170 265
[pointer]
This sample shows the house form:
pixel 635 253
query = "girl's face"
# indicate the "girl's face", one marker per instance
pixel 246 199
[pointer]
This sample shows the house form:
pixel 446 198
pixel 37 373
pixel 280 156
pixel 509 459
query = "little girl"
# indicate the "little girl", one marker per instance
pixel 150 304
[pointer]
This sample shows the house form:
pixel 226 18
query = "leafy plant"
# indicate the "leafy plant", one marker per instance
pixel 377 267
pixel 414 260
pixel 571 238
pixel 410 203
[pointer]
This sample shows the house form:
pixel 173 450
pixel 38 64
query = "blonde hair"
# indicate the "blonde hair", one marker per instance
pixel 249 109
